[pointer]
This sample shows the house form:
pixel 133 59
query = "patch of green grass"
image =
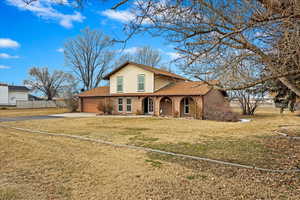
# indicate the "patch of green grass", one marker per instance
pixel 159 156
pixel 154 163
pixel 97 125
pixel 133 131
pixel 142 140
pixel 8 194
pixel 249 152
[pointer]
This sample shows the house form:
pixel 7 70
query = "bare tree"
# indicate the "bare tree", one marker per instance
pixel 147 56
pixel 223 34
pixel 249 99
pixel 144 55
pixel 51 85
pixel 89 56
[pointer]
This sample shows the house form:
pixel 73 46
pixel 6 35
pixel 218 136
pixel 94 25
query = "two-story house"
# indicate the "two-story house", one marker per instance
pixel 140 89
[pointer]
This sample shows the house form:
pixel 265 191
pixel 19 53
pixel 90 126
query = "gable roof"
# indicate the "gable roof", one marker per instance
pixel 156 71
pixel 181 88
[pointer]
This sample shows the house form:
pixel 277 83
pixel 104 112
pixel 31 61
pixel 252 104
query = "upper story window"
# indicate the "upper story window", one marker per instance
pixel 141 82
pixel 120 84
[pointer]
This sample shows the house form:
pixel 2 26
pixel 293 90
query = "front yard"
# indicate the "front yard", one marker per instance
pixel 59 168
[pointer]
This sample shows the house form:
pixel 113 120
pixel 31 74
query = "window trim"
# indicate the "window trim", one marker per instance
pixel 186 104
pixel 129 111
pixel 122 84
pixel 120 104
pixel 138 82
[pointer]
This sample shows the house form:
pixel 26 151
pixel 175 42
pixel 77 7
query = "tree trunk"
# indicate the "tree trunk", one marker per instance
pixel 290 85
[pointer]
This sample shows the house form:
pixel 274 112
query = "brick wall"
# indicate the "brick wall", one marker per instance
pixel 216 107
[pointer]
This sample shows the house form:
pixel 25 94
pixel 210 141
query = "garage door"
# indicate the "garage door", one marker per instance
pixel 90 104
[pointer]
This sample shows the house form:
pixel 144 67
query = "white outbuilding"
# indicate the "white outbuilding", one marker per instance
pixel 10 94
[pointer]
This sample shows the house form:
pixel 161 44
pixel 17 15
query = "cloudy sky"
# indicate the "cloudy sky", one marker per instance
pixel 34 35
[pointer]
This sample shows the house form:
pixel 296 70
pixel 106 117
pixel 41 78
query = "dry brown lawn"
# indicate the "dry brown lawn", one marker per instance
pixel 253 143
pixel 35 166
pixel 14 112
pixel 41 167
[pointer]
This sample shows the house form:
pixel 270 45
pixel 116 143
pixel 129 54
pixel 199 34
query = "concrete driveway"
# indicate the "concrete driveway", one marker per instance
pixel 23 118
pixel 65 115
pixel 73 115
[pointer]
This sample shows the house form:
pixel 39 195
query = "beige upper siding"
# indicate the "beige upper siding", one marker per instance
pixel 160 82
pixel 130 75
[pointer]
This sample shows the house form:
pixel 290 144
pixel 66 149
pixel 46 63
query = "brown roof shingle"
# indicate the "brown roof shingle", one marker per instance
pixel 99 91
pixel 173 89
pixel 156 71
pixel 185 88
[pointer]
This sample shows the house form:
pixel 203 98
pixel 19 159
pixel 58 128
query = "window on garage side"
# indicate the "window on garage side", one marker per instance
pixel 128 105
pixel 120 104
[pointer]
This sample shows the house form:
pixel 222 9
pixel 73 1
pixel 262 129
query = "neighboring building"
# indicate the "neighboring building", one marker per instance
pixel 140 89
pixel 10 94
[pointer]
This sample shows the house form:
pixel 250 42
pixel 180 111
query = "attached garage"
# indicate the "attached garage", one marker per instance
pixel 90 104
pixel 89 100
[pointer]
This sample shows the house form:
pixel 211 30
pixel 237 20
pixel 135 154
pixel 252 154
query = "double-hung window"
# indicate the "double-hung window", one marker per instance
pixel 186 106
pixel 128 105
pixel 120 84
pixel 141 83
pixel 120 104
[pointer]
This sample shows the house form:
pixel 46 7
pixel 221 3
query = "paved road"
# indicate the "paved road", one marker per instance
pixel 11 119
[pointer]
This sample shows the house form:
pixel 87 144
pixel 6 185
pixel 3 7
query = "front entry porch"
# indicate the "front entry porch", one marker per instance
pixel 173 106
pixel 148 106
